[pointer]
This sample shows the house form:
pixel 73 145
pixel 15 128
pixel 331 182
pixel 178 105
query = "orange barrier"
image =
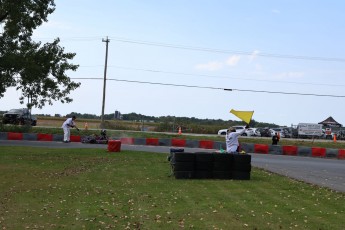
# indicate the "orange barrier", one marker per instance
pixel 152 141
pixel 114 146
pixel 318 152
pixel 261 148
pixel 178 142
pixel 14 136
pixel 204 144
pixel 290 150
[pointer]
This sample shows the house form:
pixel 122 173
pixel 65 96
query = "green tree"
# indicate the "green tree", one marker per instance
pixel 37 70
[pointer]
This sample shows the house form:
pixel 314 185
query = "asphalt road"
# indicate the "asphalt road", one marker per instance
pixel 328 173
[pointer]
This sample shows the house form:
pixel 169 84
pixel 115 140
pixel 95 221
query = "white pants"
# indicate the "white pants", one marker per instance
pixel 66 134
pixel 232 149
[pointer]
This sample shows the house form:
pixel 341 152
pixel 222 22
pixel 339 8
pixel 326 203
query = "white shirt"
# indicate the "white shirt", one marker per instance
pixel 68 123
pixel 231 140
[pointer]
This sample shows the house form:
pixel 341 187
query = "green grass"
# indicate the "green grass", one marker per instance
pixel 94 189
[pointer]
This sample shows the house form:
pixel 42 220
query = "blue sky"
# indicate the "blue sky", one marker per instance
pixel 277 46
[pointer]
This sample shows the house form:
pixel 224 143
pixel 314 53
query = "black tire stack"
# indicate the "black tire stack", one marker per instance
pixel 241 166
pixel 202 165
pixel 222 166
pixel 182 164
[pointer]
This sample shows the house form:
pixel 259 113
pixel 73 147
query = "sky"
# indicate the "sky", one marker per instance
pixel 188 52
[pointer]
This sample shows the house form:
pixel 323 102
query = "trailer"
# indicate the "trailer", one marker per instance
pixel 309 130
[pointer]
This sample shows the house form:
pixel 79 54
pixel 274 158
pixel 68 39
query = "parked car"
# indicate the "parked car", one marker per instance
pixel 33 120
pixel 265 132
pixel 19 117
pixel 278 130
pixel 256 132
pixel 238 128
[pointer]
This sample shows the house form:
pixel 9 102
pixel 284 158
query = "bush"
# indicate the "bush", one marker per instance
pixel 15 128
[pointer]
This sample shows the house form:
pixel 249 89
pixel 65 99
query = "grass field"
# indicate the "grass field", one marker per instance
pixel 93 189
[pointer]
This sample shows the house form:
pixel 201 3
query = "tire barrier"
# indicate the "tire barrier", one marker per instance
pixel 139 141
pixel 178 142
pixel 290 150
pixel 3 136
pixel 247 147
pixel 192 144
pixel 57 137
pixel 74 138
pixel 206 144
pixel 217 145
pixel 304 151
pixel 201 165
pixel 222 166
pixel 318 152
pixel 174 150
pixel 332 153
pixel 152 141
pixel 164 142
pixel 341 154
pixel 275 150
pixel 241 167
pixel 127 141
pixel 14 136
pixel 260 148
pixel 182 164
pixel 44 137
pixel 30 136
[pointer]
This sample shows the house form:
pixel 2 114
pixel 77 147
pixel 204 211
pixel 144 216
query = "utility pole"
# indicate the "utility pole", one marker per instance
pixel 105 79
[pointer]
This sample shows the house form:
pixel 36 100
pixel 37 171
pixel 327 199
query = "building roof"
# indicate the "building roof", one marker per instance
pixel 330 122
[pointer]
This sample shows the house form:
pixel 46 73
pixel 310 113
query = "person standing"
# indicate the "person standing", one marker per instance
pixel 275 139
pixel 66 126
pixel 231 139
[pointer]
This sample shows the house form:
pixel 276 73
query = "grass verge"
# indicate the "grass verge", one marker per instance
pixel 93 189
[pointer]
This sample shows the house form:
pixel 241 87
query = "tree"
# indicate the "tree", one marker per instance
pixel 37 70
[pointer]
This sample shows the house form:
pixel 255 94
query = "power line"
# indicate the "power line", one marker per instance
pixel 225 77
pixel 215 88
pixel 270 55
pixel 203 49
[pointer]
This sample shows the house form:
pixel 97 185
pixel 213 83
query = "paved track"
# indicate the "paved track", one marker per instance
pixel 328 173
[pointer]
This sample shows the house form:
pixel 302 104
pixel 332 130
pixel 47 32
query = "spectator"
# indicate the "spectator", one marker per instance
pixel 275 139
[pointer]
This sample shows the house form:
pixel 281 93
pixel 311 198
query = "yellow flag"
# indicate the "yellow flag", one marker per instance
pixel 245 116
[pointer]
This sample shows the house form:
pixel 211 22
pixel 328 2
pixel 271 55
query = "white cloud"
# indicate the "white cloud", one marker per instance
pixel 254 55
pixel 233 60
pixel 211 66
pixel 217 65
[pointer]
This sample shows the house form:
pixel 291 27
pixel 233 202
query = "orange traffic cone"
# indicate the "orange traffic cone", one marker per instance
pixel 179 130
pixel 335 138
pixel 86 126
